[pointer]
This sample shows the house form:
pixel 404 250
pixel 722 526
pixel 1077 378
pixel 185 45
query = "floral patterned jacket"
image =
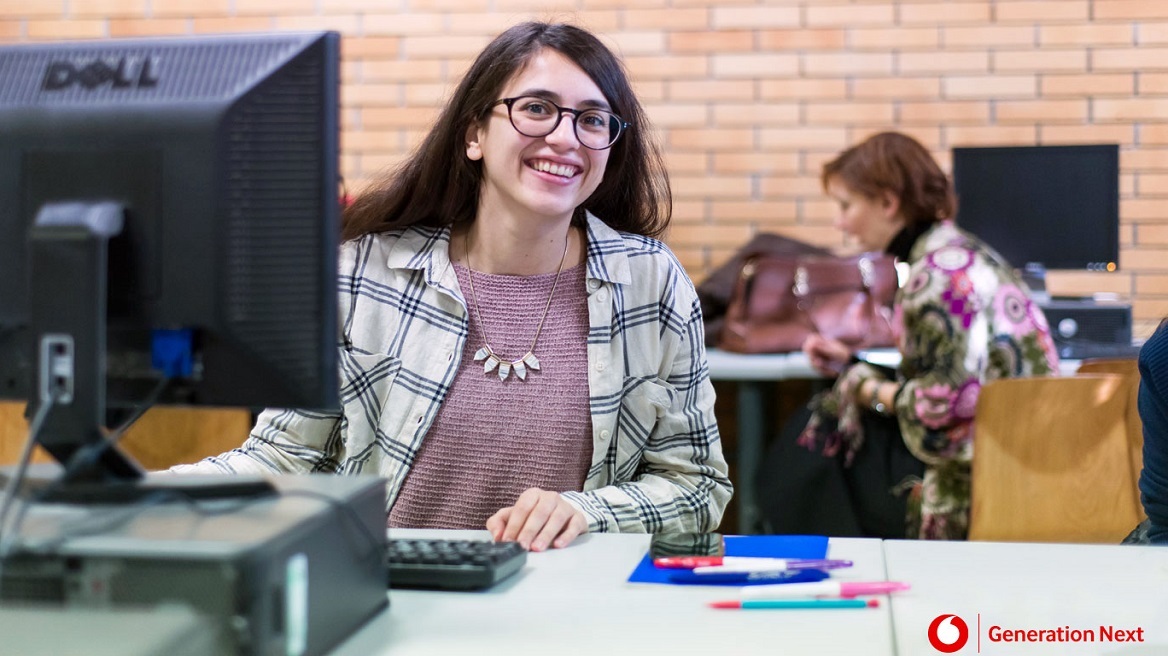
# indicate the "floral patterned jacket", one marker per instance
pixel 963 318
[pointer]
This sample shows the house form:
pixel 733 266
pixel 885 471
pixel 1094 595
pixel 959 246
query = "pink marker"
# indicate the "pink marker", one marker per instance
pixel 828 588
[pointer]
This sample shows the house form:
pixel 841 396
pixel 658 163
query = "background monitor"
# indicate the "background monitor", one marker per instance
pixel 1042 207
pixel 157 194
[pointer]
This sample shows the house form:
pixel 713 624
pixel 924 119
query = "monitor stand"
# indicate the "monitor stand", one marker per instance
pixel 69 256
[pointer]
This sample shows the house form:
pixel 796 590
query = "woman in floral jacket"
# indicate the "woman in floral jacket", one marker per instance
pixel 962 316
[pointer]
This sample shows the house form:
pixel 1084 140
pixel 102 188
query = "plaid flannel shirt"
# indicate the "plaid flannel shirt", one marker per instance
pixel 657 462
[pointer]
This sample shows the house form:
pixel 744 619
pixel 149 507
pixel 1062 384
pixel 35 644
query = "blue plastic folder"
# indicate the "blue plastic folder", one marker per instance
pixel 766 546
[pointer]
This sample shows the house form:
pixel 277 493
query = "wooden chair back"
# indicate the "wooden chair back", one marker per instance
pixel 1129 369
pixel 1052 461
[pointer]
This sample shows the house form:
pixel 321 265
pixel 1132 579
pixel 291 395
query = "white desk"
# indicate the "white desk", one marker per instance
pixel 1030 586
pixel 754 373
pixel 578 601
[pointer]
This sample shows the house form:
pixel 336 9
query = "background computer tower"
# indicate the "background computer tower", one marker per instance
pixel 1085 320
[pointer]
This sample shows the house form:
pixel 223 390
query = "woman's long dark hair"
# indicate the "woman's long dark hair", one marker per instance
pixel 438 184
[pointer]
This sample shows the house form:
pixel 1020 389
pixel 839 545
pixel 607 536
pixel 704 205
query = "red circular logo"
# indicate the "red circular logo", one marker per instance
pixel 948 643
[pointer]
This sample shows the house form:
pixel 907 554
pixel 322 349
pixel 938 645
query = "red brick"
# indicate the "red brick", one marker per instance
pixel 802 39
pixel 1042 10
pixel 981 36
pixel 678 114
pixel 672 67
pixel 753 211
pixel 1131 109
pixel 273 7
pixel 943 13
pixel 1144 159
pixel 711 139
pixel 756 114
pixel 897 88
pixel 763 163
pixel 135 27
pixel 850 113
pixel 668 19
pixel 686 163
pixel 790 186
pixel 1101 84
pixel 24 9
pixel 1130 9
pixel 899 38
pixel 847 64
pixel 719 234
pixel 752 18
pixel 790 138
pixel 754 66
pixel 105 8
pixel 991 135
pixel 712 41
pixel 711 90
pixel 710 186
pixel 189 8
pixel 1041 61
pixel 1130 59
pixel 1093 34
pixel 1041 111
pixel 943 62
pixel 219 24
pixel 52 30
pixel 949 113
pixel 849 15
pixel 996 86
pixel 1077 134
pixel 801 88
pixel 626 44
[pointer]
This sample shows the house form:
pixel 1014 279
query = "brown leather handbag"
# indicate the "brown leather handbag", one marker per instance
pixel 779 300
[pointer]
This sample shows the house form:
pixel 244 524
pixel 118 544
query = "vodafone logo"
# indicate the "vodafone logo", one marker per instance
pixel 948 633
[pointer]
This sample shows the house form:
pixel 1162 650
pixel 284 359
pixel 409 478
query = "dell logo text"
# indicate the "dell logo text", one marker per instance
pixel 122 73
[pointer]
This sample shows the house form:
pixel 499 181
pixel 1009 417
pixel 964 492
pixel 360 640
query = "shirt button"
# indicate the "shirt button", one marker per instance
pixel 593 284
pixel 604 434
pixel 602 295
pixel 600 366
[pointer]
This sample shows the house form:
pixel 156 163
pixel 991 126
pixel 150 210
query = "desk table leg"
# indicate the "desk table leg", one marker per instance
pixel 752 423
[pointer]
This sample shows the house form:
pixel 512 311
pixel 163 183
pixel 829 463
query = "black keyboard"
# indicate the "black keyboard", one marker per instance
pixel 442 564
pixel 1089 350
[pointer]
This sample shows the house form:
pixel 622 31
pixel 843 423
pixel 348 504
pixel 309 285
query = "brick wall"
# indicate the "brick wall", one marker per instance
pixel 751 97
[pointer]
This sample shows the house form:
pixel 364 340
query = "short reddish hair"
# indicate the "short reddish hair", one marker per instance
pixel 891 161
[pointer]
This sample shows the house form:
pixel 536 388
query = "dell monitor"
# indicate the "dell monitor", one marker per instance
pixel 168 221
pixel 1042 207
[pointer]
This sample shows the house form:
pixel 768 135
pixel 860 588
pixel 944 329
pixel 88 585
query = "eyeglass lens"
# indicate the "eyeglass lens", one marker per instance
pixel 537 117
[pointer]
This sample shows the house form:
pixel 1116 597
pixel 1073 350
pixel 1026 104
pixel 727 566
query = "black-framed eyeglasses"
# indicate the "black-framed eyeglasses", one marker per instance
pixel 532 116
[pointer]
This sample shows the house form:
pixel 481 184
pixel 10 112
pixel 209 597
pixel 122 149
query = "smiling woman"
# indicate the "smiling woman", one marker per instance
pixel 519 352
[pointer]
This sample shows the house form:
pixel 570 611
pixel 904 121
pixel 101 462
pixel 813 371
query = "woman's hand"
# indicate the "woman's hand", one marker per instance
pixel 539 519
pixel 828 356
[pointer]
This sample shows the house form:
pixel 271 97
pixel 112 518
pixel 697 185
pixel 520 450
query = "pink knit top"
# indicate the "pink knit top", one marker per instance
pixel 494 439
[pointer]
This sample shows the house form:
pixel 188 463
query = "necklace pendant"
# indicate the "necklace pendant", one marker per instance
pixel 520 367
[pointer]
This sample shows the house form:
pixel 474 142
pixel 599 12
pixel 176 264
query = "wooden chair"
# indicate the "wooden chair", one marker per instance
pixel 1129 369
pixel 1052 460
pixel 163 437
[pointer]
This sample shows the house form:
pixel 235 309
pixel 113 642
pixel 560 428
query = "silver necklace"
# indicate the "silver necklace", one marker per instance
pixel 486 353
